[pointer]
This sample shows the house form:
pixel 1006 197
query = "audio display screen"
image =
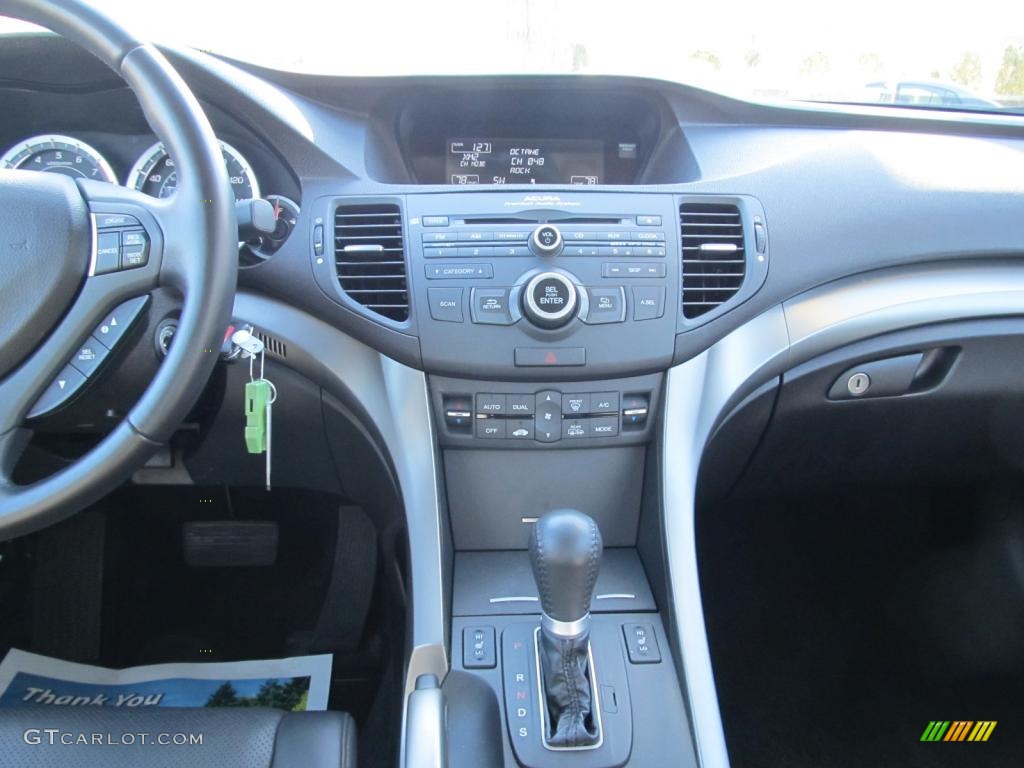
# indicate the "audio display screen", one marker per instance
pixel 525 161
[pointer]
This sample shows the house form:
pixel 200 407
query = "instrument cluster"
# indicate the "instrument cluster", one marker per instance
pixel 153 174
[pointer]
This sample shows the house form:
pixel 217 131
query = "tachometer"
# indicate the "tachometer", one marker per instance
pixel 59 154
pixel 154 173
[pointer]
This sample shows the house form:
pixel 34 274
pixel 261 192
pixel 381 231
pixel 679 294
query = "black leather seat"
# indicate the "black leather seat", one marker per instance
pixel 102 737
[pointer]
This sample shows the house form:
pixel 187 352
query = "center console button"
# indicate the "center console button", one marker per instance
pixel 648 302
pixel 550 300
pixel 546 356
pixel 493 429
pixel 476 251
pixel 445 304
pixel 519 429
pixel 576 402
pixel 491 405
pixel 511 250
pixel 546 240
pixel 521 405
pixel 548 420
pixel 607 305
pixel 490 306
pixel 575 429
pixel 458 271
pixel 604 426
pixel 604 402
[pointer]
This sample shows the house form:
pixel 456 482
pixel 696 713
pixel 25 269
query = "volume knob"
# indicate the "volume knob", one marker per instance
pixel 550 300
pixel 546 240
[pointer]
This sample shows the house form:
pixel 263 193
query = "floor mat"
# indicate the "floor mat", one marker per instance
pixel 840 628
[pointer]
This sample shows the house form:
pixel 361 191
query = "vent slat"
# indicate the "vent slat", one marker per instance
pixel 714 258
pixel 373 277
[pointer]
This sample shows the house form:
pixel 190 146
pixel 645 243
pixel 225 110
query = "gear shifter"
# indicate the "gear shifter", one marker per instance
pixel 565 553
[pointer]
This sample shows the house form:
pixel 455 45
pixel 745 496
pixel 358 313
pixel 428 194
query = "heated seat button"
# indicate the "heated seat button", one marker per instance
pixel 641 643
pixel 478 648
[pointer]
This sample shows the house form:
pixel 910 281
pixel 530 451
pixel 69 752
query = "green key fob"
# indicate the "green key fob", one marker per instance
pixel 257 395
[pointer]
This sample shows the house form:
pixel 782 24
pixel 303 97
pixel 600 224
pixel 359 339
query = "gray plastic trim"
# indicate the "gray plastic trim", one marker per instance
pixel 700 391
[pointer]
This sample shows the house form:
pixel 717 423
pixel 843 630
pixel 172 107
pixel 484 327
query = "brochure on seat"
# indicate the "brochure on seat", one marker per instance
pixel 300 683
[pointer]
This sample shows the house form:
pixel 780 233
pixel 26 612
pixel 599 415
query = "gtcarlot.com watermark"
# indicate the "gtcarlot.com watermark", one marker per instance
pixel 55 736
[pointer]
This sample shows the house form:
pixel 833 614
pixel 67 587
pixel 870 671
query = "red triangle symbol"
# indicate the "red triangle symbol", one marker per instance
pixel 550 359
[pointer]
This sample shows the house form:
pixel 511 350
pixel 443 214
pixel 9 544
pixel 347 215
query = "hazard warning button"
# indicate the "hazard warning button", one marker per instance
pixel 550 356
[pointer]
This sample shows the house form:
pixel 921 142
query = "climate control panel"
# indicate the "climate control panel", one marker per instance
pixel 486 414
pixel 541 286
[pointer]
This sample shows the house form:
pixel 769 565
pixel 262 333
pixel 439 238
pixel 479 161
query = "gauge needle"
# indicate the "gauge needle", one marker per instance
pixel 277 210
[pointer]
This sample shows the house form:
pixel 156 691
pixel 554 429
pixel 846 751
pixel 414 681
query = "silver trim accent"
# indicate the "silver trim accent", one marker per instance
pixel 514 599
pixel 566 629
pixel 53 139
pixel 718 247
pixel 616 596
pixel 363 248
pixel 94 248
pixel 544 314
pixel 529 520
pixel 426 734
pixel 542 706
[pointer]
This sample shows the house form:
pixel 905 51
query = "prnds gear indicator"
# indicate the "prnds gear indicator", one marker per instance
pixel 524 161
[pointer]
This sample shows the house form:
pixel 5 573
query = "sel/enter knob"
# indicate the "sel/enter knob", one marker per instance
pixel 546 240
pixel 550 300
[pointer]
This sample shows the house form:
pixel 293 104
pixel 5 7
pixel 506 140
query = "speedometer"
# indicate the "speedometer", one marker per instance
pixel 52 153
pixel 154 173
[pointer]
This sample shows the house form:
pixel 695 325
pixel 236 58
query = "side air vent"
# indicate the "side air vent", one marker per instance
pixel 714 260
pixel 370 257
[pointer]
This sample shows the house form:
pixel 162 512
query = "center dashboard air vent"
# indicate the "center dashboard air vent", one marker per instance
pixel 714 257
pixel 370 257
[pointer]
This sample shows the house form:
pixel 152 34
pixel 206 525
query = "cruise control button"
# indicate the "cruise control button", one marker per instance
pixel 108 252
pixel 104 220
pixel 134 256
pixel 116 324
pixel 607 305
pixel 490 306
pixel 67 383
pixel 89 357
pixel 445 304
pixel 648 302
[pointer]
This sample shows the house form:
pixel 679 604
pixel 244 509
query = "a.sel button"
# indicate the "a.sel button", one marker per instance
pixel 648 303
pixel 446 304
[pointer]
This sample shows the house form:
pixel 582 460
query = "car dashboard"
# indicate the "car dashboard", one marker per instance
pixel 549 291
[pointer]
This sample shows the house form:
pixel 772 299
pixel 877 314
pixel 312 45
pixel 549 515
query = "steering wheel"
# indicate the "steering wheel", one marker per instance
pixel 51 297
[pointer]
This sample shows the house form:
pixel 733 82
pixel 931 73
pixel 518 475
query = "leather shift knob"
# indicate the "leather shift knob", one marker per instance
pixel 565 553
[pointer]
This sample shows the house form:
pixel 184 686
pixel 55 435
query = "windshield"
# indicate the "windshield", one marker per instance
pixel 965 56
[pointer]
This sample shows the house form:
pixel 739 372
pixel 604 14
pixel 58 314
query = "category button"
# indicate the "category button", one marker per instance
pixel 458 271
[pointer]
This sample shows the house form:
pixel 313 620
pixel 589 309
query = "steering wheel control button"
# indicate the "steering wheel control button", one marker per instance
pixel 108 252
pixel 490 306
pixel 546 240
pixel 116 220
pixel 607 305
pixel 67 383
pixel 858 384
pixel 531 357
pixel 550 300
pixel 548 421
pixel 134 249
pixel 89 357
pixel 117 323
pixel 445 304
pixel 648 303
pixel 478 648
